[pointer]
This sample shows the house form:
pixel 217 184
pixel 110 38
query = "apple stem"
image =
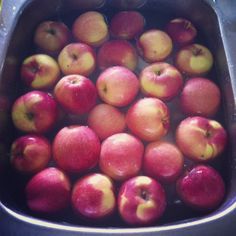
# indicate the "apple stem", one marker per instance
pixel 187 24
pixel 197 51
pixel 144 194
pixel 30 115
pixel 51 31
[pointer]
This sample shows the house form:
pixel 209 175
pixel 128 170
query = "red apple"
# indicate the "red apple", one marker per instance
pixel 154 45
pixel 148 118
pixel 77 58
pixel 182 31
pixel 51 36
pixel 30 153
pixel 34 112
pixel 90 28
pixel 163 161
pixel 141 201
pixel 76 149
pixel 127 24
pixel 121 156
pixel 194 60
pixel 200 96
pixel 117 53
pixel 48 192
pixel 93 196
pixel 201 188
pixel 40 71
pixel 201 139
pixel 117 86
pixel 76 94
pixel 161 80
pixel 106 120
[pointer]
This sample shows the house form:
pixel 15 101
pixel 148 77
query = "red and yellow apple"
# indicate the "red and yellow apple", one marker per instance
pixel 51 36
pixel 201 139
pixel 40 71
pixel 154 45
pixel 93 197
pixel 194 60
pixel 30 153
pixel 161 80
pixel 90 28
pixel 141 201
pixel 148 118
pixel 77 58
pixel 34 112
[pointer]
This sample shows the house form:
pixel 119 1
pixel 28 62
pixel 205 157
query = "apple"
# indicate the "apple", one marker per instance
pixel 181 31
pixel 117 86
pixel 163 161
pixel 117 53
pixel 200 96
pixel 34 112
pixel 51 36
pixel 141 201
pixel 106 120
pixel 201 139
pixel 77 58
pixel 93 197
pixel 48 191
pixel 201 188
pixel 121 156
pixel 76 94
pixel 76 149
pixel 127 24
pixel 161 80
pixel 90 28
pixel 30 153
pixel 40 71
pixel 148 118
pixel 194 60
pixel 154 45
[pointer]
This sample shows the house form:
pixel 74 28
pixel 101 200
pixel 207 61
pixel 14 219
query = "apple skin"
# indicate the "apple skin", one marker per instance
pixel 201 188
pixel 52 36
pixel 117 53
pixel 194 60
pixel 141 201
pixel 76 149
pixel 149 119
pixel 121 156
pixel 48 191
pixel 40 71
pixel 200 97
pixel 161 80
pixel 163 161
pixel 154 45
pixel 77 58
pixel 91 28
pixel 201 139
pixel 181 31
pixel 120 29
pixel 93 197
pixel 76 94
pixel 30 153
pixel 106 120
pixel 117 86
pixel 34 112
